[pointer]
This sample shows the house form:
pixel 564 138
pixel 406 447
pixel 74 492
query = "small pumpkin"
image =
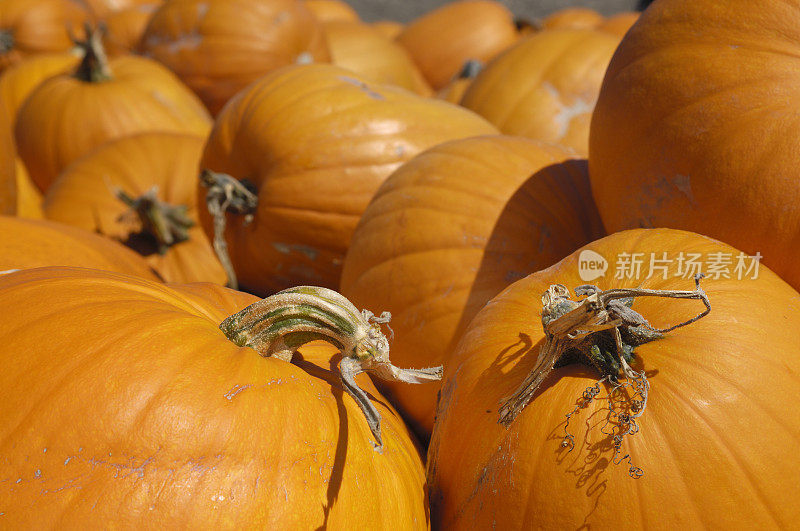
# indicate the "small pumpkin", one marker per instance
pixel 150 414
pixel 29 243
pixel 389 28
pixel 363 49
pixel 715 425
pixel 694 130
pixel 313 143
pixel 32 27
pixel 67 116
pixel 545 87
pixel 450 229
pixel 140 190
pixel 442 40
pixel 218 47
pixel 572 18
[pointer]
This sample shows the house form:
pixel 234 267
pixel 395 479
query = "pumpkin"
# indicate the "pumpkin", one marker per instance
pixel 159 172
pixel 124 28
pixel 450 229
pixel 572 18
pixel 217 47
pixel 455 90
pixel 31 27
pixel 314 142
pixel 364 50
pixel 545 87
pixel 150 416
pixel 8 178
pixel 332 11
pixel 619 24
pixel 714 433
pixel 441 40
pixel 67 116
pixel 685 141
pixel 29 243
pixel 106 9
pixel 388 28
pixel 29 198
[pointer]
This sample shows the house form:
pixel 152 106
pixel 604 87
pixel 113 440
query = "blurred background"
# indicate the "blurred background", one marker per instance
pixel 406 10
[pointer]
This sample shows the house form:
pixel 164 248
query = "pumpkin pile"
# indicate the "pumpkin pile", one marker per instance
pixel 266 264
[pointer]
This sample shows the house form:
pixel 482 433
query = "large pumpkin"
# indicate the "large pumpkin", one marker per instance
pixel 315 142
pixel 694 128
pixel 545 87
pixel 332 11
pixel 67 116
pixel 218 47
pixel 365 50
pixel 124 28
pixel 449 230
pixel 717 436
pixel 122 403
pixel 31 27
pixel 161 165
pixel 8 177
pixel 37 243
pixel 443 39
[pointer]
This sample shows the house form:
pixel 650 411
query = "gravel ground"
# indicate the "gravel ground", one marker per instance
pixel 405 10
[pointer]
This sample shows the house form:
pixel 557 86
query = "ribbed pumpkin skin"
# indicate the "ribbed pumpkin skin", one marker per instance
pixel 453 227
pixel 680 140
pixel 64 118
pixel 29 198
pixel 442 40
pixel 82 196
pixel 8 178
pixel 545 87
pixel 218 47
pixel 149 417
pixel 39 26
pixel 717 436
pixel 317 141
pixel 28 243
pixel 366 51
pixel 124 28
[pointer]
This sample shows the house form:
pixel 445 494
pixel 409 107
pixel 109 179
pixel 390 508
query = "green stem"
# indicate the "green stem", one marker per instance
pixel 279 324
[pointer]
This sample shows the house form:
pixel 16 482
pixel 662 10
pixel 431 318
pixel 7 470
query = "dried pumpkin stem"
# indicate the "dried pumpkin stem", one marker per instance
pixel 6 41
pixel 279 324
pixel 569 325
pixel 226 194
pixel 470 70
pixel 167 224
pixel 94 65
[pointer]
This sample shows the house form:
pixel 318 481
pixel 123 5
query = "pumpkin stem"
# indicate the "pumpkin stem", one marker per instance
pixel 6 41
pixel 279 324
pixel 94 65
pixel 167 224
pixel 527 26
pixel 470 70
pixel 227 195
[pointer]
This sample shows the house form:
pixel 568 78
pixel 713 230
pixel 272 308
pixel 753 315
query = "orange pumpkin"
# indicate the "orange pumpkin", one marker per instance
pixel 8 178
pixel 693 130
pixel 31 27
pixel 105 9
pixel 315 142
pixel 441 40
pixel 455 90
pixel 364 50
pixel 449 230
pixel 124 28
pixel 85 195
pixel 572 18
pixel 389 28
pixel 150 416
pixel 217 47
pixel 332 11
pixel 545 87
pixel 67 116
pixel 29 198
pixel 715 432
pixel 28 243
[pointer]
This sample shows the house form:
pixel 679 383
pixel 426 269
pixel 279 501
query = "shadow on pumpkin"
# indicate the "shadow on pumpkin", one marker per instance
pixel 340 454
